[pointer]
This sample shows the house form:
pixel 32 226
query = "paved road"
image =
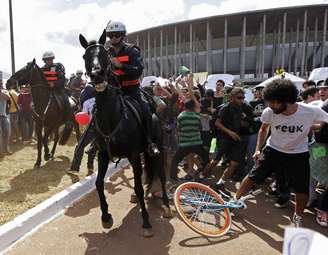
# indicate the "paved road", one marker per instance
pixel 257 230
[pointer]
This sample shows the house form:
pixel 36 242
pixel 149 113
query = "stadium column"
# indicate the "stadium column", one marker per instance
pixel 208 48
pixel 296 46
pixel 180 50
pixel 161 54
pixel 304 43
pixel 290 50
pixel 168 74
pixel 242 50
pixel 263 45
pixel 258 66
pixel 314 59
pixel 191 38
pixel 283 40
pixel 324 33
pixel 149 56
pixel 155 58
pixel 225 45
pixel 175 50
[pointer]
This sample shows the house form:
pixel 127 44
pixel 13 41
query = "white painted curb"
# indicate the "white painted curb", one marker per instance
pixel 26 222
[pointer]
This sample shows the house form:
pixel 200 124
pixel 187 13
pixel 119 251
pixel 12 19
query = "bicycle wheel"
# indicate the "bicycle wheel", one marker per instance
pixel 197 206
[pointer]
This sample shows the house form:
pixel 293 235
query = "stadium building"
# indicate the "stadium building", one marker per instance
pixel 250 45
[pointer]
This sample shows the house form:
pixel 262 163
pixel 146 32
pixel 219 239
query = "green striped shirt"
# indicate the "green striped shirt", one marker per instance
pixel 189 126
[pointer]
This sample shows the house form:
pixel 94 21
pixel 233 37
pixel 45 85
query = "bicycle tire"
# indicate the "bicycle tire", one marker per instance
pixel 198 192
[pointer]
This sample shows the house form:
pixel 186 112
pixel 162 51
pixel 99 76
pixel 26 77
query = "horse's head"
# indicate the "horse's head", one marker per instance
pixel 95 58
pixel 24 75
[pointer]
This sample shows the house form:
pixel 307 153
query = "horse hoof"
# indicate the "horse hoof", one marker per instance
pixel 47 157
pixel 148 232
pixel 37 166
pixel 134 199
pixel 108 223
pixel 167 212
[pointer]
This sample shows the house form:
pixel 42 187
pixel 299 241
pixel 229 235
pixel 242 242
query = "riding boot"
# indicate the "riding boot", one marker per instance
pixel 152 148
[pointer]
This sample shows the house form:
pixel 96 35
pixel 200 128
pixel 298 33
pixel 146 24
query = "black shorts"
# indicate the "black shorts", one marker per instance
pixel 231 149
pixel 295 167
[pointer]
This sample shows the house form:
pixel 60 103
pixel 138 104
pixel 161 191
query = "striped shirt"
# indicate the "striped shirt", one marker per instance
pixel 189 126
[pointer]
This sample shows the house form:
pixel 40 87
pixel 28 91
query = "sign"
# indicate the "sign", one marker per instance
pixel 302 241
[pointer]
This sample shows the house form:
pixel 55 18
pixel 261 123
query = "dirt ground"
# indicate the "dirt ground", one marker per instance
pixel 257 230
pixel 23 187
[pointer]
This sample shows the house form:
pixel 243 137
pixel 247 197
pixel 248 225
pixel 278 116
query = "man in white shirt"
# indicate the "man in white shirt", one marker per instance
pixel 287 147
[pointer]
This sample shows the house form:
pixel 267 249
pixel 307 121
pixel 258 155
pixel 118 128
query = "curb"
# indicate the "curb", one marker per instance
pixel 23 224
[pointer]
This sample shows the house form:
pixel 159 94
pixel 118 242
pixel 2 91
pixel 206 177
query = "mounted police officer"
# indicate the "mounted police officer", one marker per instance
pixel 55 75
pixel 126 69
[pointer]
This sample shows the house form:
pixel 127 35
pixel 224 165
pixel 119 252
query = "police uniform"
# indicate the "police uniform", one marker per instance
pixel 127 77
pixel 56 74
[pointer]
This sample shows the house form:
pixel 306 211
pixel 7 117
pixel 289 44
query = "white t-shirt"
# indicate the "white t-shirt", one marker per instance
pixel 88 106
pixel 289 134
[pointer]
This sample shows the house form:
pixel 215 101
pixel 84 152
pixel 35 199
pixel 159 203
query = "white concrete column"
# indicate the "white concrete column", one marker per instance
pixel 242 50
pixel 283 40
pixel 315 43
pixel 324 33
pixel 149 56
pixel 208 48
pixel 304 43
pixel 225 45
pixel 263 45
pixel 161 53
pixel 191 46
pixel 296 46
pixel 175 50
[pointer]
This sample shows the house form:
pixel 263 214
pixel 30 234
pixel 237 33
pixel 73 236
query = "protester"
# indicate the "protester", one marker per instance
pixel 24 102
pixel 13 110
pixel 287 146
pixel 4 121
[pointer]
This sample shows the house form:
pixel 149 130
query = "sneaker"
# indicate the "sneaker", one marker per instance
pixel 282 202
pixel 298 221
pixel 219 187
pixel 322 218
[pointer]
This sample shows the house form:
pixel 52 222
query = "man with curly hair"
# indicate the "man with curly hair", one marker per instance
pixel 287 147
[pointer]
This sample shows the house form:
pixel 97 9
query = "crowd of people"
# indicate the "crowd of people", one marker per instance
pixel 197 117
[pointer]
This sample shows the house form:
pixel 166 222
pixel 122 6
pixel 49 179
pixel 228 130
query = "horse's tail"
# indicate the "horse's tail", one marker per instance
pixel 66 133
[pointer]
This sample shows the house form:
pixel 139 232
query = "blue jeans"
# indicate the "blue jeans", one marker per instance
pixel 27 125
pixel 4 133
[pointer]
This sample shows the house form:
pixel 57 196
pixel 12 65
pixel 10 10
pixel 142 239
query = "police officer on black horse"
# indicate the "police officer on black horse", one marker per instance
pixel 55 75
pixel 126 69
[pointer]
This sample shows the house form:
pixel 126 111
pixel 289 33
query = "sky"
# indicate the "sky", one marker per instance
pixel 41 25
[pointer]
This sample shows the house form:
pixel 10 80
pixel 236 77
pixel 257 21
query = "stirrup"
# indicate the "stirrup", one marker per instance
pixel 153 150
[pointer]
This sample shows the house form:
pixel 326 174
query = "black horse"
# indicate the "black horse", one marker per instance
pixel 47 113
pixel 119 134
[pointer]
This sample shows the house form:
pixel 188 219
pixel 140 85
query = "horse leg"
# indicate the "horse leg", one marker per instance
pixel 52 154
pixel 38 130
pixel 47 132
pixel 135 161
pixel 103 160
pixel 156 164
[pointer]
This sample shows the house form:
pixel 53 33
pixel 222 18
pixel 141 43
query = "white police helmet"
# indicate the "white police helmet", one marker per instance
pixel 115 26
pixel 48 54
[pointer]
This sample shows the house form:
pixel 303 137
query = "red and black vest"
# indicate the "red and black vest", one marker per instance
pixel 127 76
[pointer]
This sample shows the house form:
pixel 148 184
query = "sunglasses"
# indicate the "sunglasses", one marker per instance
pixel 114 34
pixel 241 98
